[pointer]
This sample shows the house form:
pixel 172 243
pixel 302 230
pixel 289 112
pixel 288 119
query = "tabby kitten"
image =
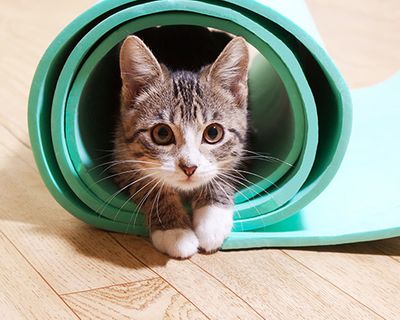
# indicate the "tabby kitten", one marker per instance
pixel 178 137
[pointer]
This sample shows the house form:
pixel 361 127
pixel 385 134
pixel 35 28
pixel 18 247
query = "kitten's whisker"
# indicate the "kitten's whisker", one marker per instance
pixel 210 192
pixel 267 159
pixel 128 161
pixel 236 189
pixel 239 171
pixel 102 164
pixel 233 188
pixel 116 162
pixel 119 191
pixel 158 203
pixel 102 157
pixel 152 206
pixel 220 188
pixel 139 205
pixel 131 197
pixel 123 172
pixel 236 179
pixel 255 152
pixel 111 150
pixel 266 156
pixel 136 212
pixel 143 200
pixel 262 190
pixel 109 153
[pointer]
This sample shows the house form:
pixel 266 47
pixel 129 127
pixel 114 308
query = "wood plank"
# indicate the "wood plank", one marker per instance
pixel 24 37
pixel 361 36
pixel 214 299
pixel 359 270
pixel 24 294
pixel 75 257
pixel 278 287
pixel 148 299
pixel 13 147
pixel 65 251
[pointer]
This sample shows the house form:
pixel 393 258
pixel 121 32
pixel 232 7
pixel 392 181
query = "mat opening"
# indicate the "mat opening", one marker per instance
pixel 272 132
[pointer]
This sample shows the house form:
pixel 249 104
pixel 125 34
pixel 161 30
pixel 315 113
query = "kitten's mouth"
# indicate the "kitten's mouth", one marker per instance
pixel 190 183
pixel 177 180
pixel 188 180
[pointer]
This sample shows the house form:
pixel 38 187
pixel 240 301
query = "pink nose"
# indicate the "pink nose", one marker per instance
pixel 188 170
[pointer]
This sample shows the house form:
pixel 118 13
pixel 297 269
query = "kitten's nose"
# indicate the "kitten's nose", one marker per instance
pixel 188 170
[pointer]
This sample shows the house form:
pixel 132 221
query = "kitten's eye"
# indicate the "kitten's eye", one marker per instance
pixel 162 134
pixel 213 133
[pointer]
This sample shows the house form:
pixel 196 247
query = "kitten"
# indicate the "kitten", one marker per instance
pixel 178 137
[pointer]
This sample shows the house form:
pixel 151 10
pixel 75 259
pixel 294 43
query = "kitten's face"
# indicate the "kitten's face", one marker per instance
pixel 183 129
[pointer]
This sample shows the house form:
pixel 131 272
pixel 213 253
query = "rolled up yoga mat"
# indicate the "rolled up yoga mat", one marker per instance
pixel 300 118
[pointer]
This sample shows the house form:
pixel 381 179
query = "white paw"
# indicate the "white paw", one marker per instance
pixel 177 243
pixel 212 225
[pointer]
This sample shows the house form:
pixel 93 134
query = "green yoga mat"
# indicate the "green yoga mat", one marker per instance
pixel 301 116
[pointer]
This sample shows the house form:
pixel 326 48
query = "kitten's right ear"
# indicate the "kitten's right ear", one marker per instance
pixel 138 66
pixel 230 70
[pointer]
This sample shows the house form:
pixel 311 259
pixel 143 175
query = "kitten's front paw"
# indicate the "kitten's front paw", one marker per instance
pixel 177 243
pixel 212 225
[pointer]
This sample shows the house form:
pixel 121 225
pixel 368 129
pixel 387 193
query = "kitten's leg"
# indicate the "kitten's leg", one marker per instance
pixel 213 216
pixel 170 226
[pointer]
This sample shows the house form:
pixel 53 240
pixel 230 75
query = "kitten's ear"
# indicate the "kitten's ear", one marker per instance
pixel 231 68
pixel 138 66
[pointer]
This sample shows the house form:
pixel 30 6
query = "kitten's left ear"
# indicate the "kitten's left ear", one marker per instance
pixel 231 68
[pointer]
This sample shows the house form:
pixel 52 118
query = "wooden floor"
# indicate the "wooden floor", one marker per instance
pixel 53 266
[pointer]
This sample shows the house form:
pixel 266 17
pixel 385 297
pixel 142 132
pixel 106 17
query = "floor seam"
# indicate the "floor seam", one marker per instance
pixel 236 294
pixel 15 136
pixel 40 275
pixel 334 285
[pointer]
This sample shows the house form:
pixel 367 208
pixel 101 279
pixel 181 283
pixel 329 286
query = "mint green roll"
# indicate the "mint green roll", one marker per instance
pixel 292 82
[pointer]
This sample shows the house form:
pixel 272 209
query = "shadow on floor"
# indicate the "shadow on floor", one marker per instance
pixel 381 247
pixel 389 247
pixel 27 209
